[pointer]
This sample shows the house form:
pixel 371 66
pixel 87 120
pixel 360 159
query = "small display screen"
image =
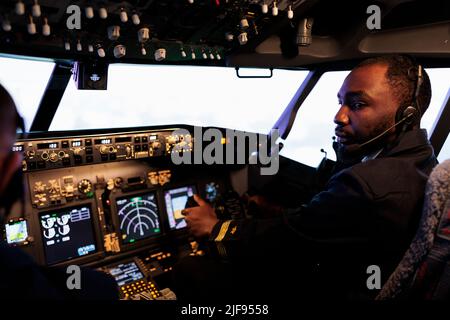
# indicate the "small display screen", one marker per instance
pixel 67 234
pixel 138 217
pixel 17 148
pixel 123 139
pixel 51 145
pixel 76 144
pixel 126 273
pixel 103 141
pixel 176 200
pixel 16 232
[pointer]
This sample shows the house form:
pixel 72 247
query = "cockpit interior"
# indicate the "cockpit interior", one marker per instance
pixel 132 107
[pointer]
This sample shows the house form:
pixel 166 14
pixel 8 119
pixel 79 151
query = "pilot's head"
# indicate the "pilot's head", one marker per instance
pixel 10 162
pixel 373 98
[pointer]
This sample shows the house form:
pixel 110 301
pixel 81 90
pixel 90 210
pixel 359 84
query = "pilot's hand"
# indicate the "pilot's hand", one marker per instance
pixel 202 219
pixel 8 168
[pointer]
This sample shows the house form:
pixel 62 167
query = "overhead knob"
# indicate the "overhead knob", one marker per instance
pixel 20 8
pixel 36 9
pixel 103 13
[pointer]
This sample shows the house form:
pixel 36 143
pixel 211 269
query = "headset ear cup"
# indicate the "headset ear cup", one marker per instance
pixel 410 114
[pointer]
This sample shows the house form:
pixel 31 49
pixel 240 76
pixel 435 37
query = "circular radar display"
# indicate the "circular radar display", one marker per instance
pixel 138 217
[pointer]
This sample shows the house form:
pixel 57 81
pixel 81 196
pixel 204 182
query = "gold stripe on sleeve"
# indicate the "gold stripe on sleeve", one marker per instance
pixel 223 230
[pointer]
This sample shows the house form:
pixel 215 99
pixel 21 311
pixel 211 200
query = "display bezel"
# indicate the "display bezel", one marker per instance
pixel 15 221
pixel 94 226
pixel 166 190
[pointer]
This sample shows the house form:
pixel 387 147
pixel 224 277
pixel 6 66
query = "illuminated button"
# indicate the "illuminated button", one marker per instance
pixel 88 142
pixel 144 139
pixel 137 148
pixel 137 139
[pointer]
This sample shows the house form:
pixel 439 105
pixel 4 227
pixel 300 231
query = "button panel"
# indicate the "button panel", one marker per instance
pixel 56 153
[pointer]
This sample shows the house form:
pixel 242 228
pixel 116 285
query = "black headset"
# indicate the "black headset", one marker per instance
pixel 411 114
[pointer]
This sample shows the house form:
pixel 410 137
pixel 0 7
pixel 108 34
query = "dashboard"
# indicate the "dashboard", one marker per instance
pixel 112 200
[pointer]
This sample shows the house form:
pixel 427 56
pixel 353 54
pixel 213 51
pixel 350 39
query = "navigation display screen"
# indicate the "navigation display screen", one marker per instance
pixel 67 234
pixel 16 232
pixel 176 200
pixel 126 273
pixel 138 217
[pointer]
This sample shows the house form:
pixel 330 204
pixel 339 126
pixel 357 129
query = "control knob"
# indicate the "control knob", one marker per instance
pixel 53 157
pixel 85 187
pixel 128 151
pixel 77 151
pixel 156 145
pixel 106 149
pixel 30 154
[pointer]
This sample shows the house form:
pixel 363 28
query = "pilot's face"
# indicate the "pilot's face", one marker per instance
pixel 367 106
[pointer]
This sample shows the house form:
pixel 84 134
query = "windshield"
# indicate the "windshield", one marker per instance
pixel 141 95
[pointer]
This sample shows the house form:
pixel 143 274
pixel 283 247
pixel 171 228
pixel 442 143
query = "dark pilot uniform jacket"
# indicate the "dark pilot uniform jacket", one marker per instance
pixel 366 216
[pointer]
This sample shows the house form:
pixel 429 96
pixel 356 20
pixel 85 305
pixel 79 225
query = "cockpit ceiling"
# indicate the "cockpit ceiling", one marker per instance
pixel 221 32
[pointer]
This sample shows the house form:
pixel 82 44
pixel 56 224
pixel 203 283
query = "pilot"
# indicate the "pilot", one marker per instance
pixel 349 238
pixel 20 276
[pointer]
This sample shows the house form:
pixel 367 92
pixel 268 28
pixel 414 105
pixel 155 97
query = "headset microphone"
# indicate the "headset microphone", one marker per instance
pixel 381 135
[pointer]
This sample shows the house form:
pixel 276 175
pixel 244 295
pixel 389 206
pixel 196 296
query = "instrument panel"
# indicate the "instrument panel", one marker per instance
pixel 102 199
